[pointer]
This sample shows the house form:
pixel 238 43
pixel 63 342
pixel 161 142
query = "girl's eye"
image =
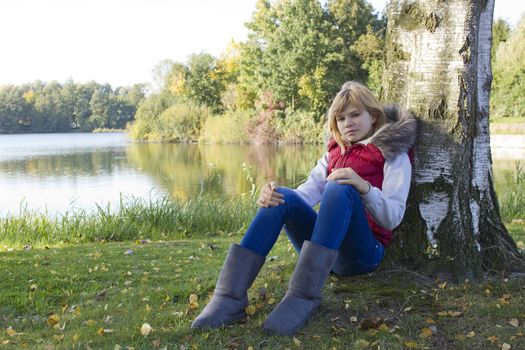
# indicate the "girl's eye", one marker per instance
pixel 340 119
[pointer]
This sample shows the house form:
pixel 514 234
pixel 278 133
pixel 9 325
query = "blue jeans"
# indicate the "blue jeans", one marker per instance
pixel 340 224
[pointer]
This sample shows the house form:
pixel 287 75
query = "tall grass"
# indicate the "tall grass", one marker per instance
pixel 512 199
pixel 160 218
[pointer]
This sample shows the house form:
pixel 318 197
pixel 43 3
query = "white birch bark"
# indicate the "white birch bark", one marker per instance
pixel 438 66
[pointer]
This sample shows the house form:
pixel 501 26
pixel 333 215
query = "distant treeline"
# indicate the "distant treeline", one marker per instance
pixel 276 86
pixel 55 107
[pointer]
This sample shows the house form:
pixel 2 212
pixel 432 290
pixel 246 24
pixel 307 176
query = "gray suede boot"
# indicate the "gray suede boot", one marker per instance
pixel 230 296
pixel 304 291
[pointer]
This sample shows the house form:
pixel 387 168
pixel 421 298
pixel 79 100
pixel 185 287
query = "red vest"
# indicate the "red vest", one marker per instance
pixel 368 162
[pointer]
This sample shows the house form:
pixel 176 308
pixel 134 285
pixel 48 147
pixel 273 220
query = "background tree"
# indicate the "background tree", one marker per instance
pixel 508 99
pixel 452 221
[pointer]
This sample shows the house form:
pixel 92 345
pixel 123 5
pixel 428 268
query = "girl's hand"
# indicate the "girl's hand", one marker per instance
pixel 269 196
pixel 348 176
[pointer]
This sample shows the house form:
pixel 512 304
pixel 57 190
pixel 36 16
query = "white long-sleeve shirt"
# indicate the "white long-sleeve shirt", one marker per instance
pixel 386 206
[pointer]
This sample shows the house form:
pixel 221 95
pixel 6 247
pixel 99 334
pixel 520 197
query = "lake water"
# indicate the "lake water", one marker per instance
pixel 61 172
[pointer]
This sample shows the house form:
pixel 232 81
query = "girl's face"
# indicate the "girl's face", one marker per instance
pixel 354 124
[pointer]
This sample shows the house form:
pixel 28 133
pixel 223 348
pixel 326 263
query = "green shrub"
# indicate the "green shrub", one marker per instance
pixel 182 122
pixel 299 127
pixel 226 128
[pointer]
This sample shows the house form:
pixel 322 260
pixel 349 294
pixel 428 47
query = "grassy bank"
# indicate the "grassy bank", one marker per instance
pixel 100 296
pixel 136 219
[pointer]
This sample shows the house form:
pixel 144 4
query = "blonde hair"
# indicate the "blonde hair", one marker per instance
pixel 359 96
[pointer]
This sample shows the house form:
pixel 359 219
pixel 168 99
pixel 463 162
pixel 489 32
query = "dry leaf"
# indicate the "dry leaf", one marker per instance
pixel 58 337
pixel 10 332
pixel 53 320
pixel 146 329
pixel 411 344
pixel 471 334
pixel 514 322
pixel 250 310
pixel 193 301
pixel 296 342
pixel 430 321
pixel 361 344
pixel 425 333
pixel 89 323
pixel 493 339
pixel 505 346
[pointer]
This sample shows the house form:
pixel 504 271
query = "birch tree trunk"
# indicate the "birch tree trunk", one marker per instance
pixel 438 66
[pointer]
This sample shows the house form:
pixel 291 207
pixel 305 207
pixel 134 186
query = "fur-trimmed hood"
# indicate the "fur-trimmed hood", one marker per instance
pixel 398 135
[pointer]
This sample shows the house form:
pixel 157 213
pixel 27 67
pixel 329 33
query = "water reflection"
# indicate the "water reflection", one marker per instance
pixel 186 170
pixel 60 172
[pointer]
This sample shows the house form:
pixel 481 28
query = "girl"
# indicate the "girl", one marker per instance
pixel 362 183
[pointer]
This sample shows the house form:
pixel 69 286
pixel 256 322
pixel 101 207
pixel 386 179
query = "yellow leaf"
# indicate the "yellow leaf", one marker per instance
pixel 460 337
pixel 411 344
pixel 250 347
pixel 430 321
pixel 100 331
pixel 10 332
pixel 250 310
pixel 455 313
pixel 361 344
pixel 146 329
pixel 493 339
pixel 296 342
pixel 471 334
pixel 75 338
pixel 383 328
pixel 514 322
pixel 425 333
pixel 271 301
pixel 58 337
pixel 33 287
pixel 148 308
pixel 520 245
pixel 89 323
pixel 442 285
pixel 505 346
pixel 53 320
pixel 193 301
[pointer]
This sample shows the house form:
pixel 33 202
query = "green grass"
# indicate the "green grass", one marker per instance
pixel 161 218
pixel 95 296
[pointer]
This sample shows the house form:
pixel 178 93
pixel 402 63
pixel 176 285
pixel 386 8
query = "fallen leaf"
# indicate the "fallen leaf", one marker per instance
pixel 53 320
pixel 146 329
pixel 100 331
pixel 296 342
pixel 89 323
pixel 505 346
pixel 193 301
pixel 10 332
pixel 471 334
pixel 493 339
pixel 514 322
pixel 250 310
pixel 411 344
pixel 58 337
pixel 425 333
pixel 33 287
pixel 430 321
pixel 361 344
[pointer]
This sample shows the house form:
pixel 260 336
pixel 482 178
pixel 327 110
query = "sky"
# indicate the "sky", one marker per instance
pixel 120 41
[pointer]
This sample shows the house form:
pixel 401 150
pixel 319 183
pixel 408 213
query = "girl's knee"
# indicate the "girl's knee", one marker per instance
pixel 333 187
pixel 288 193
